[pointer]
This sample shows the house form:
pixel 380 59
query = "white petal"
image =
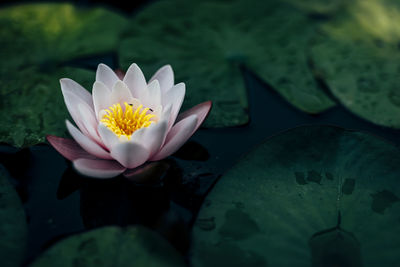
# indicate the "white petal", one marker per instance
pixel 89 122
pixel 101 98
pixel 106 75
pixel 109 138
pixel 178 135
pixel 120 93
pixel 165 76
pixel 154 135
pixel 68 85
pixel 135 81
pixel 86 143
pixel 175 97
pixel 130 155
pixel 71 102
pixel 154 95
pixel 98 168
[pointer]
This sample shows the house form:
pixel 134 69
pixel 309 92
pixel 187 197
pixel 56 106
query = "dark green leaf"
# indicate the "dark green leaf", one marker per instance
pixel 111 246
pixel 358 56
pixel 312 194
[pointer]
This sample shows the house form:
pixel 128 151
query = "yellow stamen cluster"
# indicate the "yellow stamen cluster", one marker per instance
pixel 126 122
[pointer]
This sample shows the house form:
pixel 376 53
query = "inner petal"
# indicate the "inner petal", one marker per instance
pixel 125 120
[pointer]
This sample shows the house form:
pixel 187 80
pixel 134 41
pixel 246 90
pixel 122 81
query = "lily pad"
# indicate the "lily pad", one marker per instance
pixel 38 41
pixel 33 106
pixel 111 246
pixel 47 34
pixel 13 228
pixel 314 195
pixel 207 41
pixel 358 57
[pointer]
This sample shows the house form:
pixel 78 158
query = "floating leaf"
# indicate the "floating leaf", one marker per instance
pixel 13 228
pixel 314 194
pixel 33 106
pixel 38 41
pixel 46 34
pixel 207 41
pixel 111 246
pixel 358 57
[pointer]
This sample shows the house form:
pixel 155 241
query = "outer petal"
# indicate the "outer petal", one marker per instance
pixel 165 76
pixel 129 154
pixel 89 122
pixel 178 135
pixel 120 93
pixel 136 82
pixel 69 148
pixel 108 137
pixel 86 143
pixel 106 75
pixel 201 110
pixel 70 86
pixel 72 102
pixel 175 97
pixel 101 97
pixel 98 168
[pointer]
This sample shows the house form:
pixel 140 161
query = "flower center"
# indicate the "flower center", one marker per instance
pixel 124 123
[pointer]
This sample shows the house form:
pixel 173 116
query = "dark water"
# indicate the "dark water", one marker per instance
pixel 59 202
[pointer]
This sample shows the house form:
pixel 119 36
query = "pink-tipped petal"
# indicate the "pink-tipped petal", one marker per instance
pixel 89 122
pixel 129 154
pixel 153 99
pixel 98 168
pixel 174 96
pixel 69 148
pixel 201 110
pixel 70 86
pixel 86 143
pixel 165 76
pixel 120 93
pixel 107 136
pixel 106 75
pixel 178 135
pixel 136 82
pixel 101 97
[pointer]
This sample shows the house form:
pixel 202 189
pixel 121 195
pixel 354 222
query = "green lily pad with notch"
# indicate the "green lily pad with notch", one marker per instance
pixel 38 42
pixel 112 246
pixel 207 41
pixel 310 196
pixel 358 56
pixel 13 227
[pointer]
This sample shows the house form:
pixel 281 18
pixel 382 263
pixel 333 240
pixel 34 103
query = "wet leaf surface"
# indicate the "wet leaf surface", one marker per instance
pixel 314 194
pixel 357 55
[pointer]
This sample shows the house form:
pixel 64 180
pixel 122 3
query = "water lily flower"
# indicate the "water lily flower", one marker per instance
pixel 126 121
